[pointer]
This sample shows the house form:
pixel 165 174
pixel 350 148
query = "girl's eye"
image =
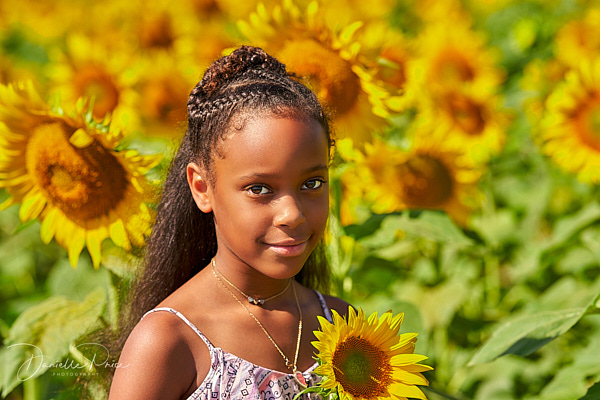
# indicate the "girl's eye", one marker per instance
pixel 258 189
pixel 313 184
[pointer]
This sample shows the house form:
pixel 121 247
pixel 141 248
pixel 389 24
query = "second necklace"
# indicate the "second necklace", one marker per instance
pixel 252 300
pixel 293 366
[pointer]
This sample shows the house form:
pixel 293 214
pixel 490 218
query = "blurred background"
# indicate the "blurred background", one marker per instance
pixel 465 181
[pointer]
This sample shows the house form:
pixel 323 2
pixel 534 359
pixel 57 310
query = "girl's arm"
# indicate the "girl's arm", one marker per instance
pixel 157 361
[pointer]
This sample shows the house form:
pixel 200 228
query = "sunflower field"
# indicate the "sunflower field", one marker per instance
pixel 465 184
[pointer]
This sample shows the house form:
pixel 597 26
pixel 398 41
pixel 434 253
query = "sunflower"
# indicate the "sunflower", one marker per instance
pixel 539 80
pixel 100 74
pixel 465 120
pixel 570 128
pixel 452 57
pixel 367 358
pixel 164 90
pixel 579 39
pixel 347 11
pixel 66 172
pixel 426 176
pixel 329 60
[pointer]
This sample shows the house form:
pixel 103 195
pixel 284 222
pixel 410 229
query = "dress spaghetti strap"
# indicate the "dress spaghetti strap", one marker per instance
pixel 231 377
pixel 187 321
pixel 326 312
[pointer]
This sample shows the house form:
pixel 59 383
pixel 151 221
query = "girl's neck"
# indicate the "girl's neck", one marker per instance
pixel 246 279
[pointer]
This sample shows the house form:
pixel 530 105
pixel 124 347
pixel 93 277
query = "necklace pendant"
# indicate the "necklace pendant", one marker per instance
pixel 256 302
pixel 299 378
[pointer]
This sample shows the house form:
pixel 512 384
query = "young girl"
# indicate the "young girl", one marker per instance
pixel 235 260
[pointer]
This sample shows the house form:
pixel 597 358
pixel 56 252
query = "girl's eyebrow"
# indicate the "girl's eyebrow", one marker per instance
pixel 259 175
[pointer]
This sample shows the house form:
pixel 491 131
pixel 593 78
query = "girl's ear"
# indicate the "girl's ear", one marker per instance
pixel 199 187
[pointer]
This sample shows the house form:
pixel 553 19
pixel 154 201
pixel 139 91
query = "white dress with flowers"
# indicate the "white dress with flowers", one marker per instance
pixel 232 377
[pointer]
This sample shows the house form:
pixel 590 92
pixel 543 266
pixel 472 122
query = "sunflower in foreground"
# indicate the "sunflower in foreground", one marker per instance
pixel 367 358
pixel 66 172
pixel 570 128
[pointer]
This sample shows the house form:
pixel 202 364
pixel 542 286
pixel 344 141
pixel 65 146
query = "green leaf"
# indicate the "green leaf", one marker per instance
pixel 41 336
pixel 570 382
pixel 430 225
pixel 569 226
pixel 435 226
pixel 524 335
pixel 593 393
pixel 76 284
pixel 529 332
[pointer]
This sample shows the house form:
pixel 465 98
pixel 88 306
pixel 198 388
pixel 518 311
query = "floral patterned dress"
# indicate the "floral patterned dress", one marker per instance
pixel 232 377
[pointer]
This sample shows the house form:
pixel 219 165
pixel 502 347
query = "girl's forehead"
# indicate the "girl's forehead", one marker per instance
pixel 249 130
pixel 272 143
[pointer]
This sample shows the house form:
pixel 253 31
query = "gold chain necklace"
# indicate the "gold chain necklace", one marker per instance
pixel 293 366
pixel 252 300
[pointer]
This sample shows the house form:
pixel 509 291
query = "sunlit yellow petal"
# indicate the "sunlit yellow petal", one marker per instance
pixel 570 128
pixel 49 226
pixel 94 241
pixel 66 172
pixel 426 176
pixel 329 60
pixel 32 206
pixel 356 361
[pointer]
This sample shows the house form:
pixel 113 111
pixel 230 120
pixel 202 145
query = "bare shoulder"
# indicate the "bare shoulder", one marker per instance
pixel 337 304
pixel 157 361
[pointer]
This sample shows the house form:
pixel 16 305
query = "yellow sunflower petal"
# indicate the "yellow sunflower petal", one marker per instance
pixel 81 139
pixel 410 391
pixel 357 360
pixel 118 234
pixel 32 206
pixel 406 359
pixel 408 377
pixel 571 122
pixel 328 57
pixel 76 244
pixel 49 226
pixel 94 242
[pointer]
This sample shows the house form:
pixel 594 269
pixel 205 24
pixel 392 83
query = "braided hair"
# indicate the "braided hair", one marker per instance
pixel 183 239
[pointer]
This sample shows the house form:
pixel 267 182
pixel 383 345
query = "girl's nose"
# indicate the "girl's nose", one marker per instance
pixel 289 212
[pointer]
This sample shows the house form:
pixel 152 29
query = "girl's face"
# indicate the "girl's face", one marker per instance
pixel 270 194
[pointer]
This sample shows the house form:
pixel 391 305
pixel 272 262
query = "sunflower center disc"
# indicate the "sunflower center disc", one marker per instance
pixel 330 76
pixel 157 32
pixel 84 183
pixel 362 369
pixel 467 115
pixel 590 134
pixel 93 82
pixel 426 182
pixel 453 68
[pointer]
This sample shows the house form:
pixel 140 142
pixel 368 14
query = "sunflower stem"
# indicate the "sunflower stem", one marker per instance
pixel 492 280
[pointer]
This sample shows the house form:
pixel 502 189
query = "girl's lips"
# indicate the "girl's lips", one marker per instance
pixel 289 250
